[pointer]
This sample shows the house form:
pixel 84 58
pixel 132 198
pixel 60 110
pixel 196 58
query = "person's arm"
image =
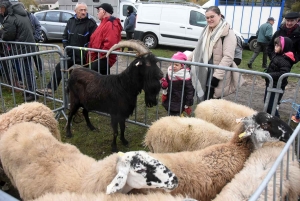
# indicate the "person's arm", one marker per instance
pixel 269 32
pixel 229 44
pixel 270 47
pixel 37 26
pixel 93 26
pixel 284 67
pixel 9 30
pixel 65 36
pixel 131 23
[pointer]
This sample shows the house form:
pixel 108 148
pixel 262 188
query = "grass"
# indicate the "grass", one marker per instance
pixel 97 144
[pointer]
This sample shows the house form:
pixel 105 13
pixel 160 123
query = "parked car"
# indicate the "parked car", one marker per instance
pixel 53 23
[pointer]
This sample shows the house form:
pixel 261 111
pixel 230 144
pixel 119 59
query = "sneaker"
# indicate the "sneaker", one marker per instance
pixel 249 65
pixel 294 119
pixel 46 91
pixel 31 97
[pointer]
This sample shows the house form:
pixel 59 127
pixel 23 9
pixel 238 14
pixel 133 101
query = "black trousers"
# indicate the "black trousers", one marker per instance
pixel 101 66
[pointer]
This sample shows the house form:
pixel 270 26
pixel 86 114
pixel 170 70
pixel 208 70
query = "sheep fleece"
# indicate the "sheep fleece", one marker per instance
pixel 66 196
pixel 175 134
pixel 222 113
pixel 30 112
pixel 55 167
pixel 244 184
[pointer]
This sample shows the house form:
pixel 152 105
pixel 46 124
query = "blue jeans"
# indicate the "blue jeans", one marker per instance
pixel 271 102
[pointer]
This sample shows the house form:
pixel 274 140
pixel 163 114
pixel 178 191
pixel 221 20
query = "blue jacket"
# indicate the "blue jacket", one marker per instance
pixel 36 27
pixel 129 24
pixel 264 33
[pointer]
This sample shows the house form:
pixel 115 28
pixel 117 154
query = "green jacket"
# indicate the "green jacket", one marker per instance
pixel 264 33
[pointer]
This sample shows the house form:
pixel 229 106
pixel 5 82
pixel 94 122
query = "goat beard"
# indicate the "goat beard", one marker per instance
pixel 151 90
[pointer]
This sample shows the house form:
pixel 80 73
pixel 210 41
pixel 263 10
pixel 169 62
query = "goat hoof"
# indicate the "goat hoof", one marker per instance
pixel 114 150
pixel 124 141
pixel 69 135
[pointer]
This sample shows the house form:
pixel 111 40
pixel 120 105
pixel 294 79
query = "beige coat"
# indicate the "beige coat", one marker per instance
pixel 223 55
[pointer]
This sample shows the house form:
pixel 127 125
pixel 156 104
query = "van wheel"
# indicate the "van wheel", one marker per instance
pixel 253 44
pixel 150 41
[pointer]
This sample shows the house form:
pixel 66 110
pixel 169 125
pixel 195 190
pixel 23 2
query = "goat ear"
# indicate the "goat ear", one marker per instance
pixel 123 167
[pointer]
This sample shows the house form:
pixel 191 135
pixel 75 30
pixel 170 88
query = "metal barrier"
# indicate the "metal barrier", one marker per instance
pixel 250 94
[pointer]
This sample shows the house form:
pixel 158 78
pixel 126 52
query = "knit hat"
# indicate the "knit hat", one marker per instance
pixel 179 56
pixel 130 9
pixel 107 7
pixel 291 15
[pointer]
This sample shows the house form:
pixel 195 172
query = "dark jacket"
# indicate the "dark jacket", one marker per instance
pixel 264 33
pixel 294 36
pixel 17 26
pixel 78 33
pixel 130 22
pixel 281 63
pixel 175 94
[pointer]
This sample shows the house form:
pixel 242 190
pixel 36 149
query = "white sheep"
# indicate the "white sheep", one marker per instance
pixel 175 134
pixel 37 163
pixel 202 174
pixel 244 184
pixel 30 112
pixel 67 196
pixel 222 113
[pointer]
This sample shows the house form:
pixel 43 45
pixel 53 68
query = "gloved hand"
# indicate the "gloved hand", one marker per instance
pixel 214 82
pixel 164 83
pixel 188 110
pixel 163 98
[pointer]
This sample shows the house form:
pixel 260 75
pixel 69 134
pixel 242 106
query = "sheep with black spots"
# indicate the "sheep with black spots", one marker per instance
pixel 222 113
pixel 30 112
pixel 37 163
pixel 175 134
pixel 244 184
pixel 67 196
pixel 202 174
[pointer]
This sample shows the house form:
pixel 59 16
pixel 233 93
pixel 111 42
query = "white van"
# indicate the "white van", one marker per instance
pixel 171 24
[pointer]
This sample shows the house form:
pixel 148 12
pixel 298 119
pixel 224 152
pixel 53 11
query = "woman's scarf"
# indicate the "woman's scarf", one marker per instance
pixel 182 74
pixel 202 54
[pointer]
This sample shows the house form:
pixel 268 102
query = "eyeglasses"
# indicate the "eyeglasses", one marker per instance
pixel 211 17
pixel 100 10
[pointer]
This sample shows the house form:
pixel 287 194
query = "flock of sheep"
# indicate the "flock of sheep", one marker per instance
pixel 222 154
pixel 192 160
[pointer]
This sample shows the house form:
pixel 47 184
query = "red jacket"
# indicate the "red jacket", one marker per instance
pixel 104 37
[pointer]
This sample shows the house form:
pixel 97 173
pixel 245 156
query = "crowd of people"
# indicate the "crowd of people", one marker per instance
pixel 216 45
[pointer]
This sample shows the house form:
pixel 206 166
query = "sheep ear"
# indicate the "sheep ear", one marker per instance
pixel 121 178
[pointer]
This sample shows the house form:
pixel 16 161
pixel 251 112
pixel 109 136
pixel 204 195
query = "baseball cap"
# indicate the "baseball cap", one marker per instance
pixel 107 7
pixel 271 19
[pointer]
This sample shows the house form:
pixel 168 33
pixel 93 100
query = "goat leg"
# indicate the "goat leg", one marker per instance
pixel 122 128
pixel 72 112
pixel 85 113
pixel 114 125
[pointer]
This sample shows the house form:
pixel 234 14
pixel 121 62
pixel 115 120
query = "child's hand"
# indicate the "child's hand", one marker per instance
pixel 163 98
pixel 188 110
pixel 164 83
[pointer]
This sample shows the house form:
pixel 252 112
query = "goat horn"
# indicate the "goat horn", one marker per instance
pixel 134 44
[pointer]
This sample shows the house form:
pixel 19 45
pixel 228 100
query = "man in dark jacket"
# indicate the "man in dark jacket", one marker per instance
pixel 264 35
pixel 289 29
pixel 77 33
pixel 17 27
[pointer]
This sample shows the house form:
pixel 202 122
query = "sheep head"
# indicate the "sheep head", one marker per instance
pixel 263 127
pixel 137 170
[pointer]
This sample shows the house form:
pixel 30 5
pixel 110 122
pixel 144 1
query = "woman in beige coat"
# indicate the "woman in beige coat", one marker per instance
pixel 212 49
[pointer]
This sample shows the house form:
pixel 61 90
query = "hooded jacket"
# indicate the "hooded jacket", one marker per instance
pixel 294 36
pixel 281 63
pixel 17 26
pixel 129 24
pixel 104 37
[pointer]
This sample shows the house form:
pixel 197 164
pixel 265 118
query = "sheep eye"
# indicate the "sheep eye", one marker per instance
pixel 141 171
